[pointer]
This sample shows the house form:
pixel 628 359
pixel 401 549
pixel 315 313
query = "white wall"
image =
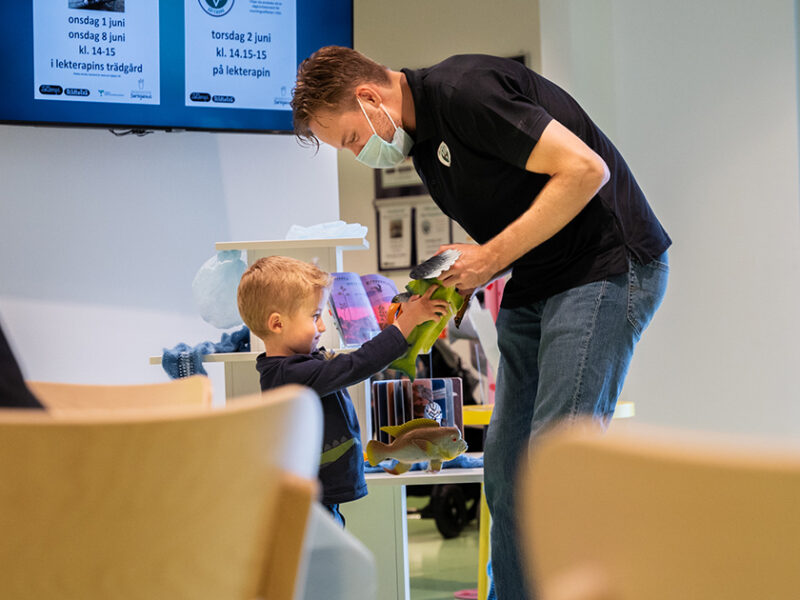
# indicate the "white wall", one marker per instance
pixel 100 237
pixel 419 33
pixel 701 98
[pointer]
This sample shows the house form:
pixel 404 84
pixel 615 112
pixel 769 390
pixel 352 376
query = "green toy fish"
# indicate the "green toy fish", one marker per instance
pixel 416 441
pixel 425 334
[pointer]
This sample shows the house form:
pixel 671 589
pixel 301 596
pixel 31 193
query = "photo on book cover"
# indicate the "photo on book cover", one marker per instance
pixel 442 396
pixel 391 414
pixel 351 310
pixel 380 414
pixel 421 396
pixel 408 399
pixel 458 403
pixel 380 291
pixel 397 401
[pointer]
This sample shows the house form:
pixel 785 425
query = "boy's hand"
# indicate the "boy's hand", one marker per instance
pixel 419 309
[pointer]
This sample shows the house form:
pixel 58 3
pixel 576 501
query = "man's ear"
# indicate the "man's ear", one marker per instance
pixel 369 94
pixel 274 323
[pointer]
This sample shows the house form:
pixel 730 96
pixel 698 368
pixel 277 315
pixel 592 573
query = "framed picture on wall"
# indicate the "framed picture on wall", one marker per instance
pixel 410 230
pixel 431 230
pixel 400 181
pixel 395 237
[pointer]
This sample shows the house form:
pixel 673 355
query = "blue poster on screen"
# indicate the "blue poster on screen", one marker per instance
pixel 240 53
pixel 91 51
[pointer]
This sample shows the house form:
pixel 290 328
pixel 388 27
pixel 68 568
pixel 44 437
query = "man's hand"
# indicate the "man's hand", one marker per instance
pixel 476 266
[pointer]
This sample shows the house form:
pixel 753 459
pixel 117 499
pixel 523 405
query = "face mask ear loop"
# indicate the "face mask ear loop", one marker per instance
pixel 391 120
pixel 365 115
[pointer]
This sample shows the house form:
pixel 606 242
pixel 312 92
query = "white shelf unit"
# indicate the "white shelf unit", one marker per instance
pixel 325 253
pixel 379 519
pixel 241 377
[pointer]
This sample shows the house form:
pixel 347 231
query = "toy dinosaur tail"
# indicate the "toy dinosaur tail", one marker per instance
pixel 376 452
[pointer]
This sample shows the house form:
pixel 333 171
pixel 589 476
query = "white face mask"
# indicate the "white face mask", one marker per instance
pixel 380 154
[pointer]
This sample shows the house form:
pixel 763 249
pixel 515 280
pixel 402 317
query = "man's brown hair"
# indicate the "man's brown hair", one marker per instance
pixel 277 284
pixel 327 80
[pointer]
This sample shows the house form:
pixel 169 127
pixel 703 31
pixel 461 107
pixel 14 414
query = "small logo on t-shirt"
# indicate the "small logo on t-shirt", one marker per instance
pixel 444 154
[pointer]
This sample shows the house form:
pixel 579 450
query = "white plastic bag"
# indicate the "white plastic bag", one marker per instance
pixel 331 229
pixel 215 287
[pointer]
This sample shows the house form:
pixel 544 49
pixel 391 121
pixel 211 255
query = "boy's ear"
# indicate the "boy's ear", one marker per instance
pixel 274 323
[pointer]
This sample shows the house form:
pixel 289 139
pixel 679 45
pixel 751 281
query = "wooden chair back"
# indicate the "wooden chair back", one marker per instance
pixel 643 513
pixel 194 390
pixel 185 502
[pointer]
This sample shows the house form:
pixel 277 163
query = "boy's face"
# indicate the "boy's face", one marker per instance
pixel 302 330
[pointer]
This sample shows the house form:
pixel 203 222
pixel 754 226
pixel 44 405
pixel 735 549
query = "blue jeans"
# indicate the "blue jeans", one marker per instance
pixel 561 357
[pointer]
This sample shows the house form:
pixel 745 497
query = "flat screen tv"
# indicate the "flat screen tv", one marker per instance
pixel 214 65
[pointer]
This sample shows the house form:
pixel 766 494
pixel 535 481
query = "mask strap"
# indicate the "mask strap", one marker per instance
pixel 391 120
pixel 365 115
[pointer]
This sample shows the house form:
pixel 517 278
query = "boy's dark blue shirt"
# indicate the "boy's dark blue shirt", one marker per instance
pixel 341 469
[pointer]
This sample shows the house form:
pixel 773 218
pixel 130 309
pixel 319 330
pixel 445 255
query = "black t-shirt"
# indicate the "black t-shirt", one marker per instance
pixel 477 120
pixel 341 470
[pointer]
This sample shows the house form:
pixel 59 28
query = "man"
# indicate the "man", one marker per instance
pixel 520 166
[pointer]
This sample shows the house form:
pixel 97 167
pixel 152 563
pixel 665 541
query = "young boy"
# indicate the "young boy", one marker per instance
pixel 282 301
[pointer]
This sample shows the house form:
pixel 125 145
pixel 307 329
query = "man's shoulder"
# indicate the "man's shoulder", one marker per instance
pixel 466 79
pixel 462 66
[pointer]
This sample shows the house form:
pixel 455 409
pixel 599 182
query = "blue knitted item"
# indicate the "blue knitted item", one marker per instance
pixel 238 341
pixel 183 360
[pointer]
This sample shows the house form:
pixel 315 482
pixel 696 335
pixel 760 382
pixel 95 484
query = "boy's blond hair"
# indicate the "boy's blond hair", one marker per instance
pixel 277 284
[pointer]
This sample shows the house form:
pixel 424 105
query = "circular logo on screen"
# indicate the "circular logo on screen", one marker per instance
pixel 216 8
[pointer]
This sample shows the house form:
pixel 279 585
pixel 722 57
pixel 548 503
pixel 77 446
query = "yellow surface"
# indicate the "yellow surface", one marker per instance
pixel 484 525
pixel 477 414
pixel 481 414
